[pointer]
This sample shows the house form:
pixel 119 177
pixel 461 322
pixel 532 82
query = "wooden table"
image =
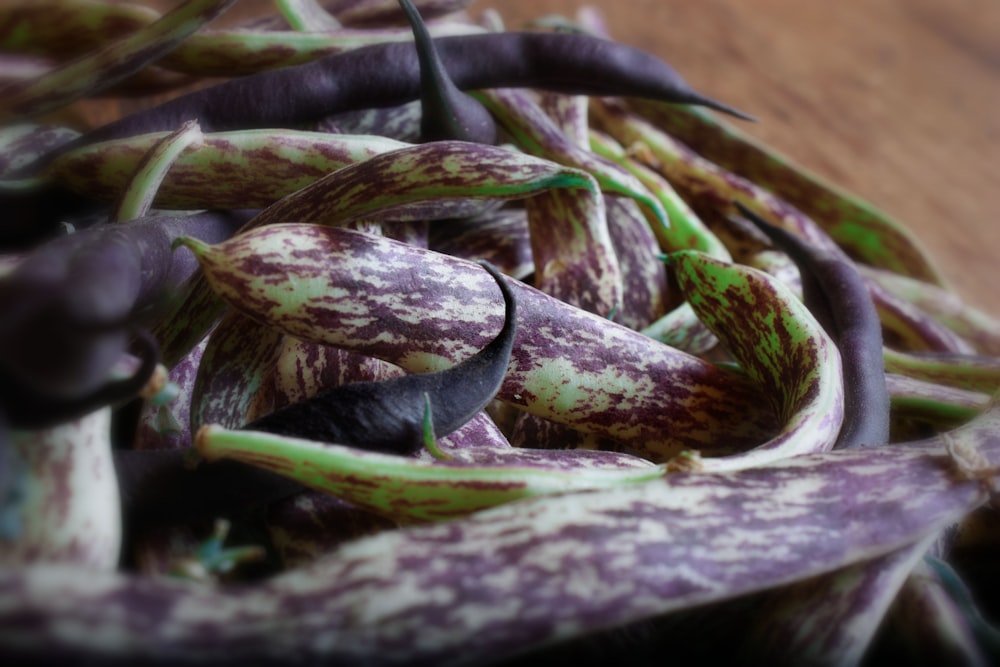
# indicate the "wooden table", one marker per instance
pixel 897 101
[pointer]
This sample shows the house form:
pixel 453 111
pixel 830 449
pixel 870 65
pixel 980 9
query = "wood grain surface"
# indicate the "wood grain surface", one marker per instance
pixel 897 101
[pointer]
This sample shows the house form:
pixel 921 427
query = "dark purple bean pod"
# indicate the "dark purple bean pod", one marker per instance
pixel 837 294
pixel 72 306
pixel 388 415
pixel 165 485
pixel 160 486
pixel 446 111
pixel 388 74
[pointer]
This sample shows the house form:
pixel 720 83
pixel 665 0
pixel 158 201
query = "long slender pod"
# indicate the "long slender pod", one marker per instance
pixel 508 579
pixel 424 311
pixel 72 306
pixel 388 74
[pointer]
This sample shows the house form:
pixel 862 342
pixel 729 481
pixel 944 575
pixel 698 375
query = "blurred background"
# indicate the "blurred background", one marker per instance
pixel 897 101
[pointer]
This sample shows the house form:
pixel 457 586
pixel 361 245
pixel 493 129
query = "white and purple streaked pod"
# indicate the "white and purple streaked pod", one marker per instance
pixel 526 574
pixel 63 504
pixel 426 311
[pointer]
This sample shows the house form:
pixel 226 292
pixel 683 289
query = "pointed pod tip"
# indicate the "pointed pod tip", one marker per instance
pixel 724 108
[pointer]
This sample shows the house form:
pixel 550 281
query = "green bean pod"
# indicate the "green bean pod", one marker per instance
pixel 425 311
pixel 980 328
pixel 931 403
pixel 260 166
pixel 137 197
pixel 685 230
pixel 511 579
pixel 864 232
pixel 972 372
pixel 428 181
pixel 407 489
pixel 779 344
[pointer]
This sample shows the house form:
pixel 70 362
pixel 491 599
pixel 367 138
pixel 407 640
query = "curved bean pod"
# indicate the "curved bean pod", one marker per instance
pixel 864 232
pixel 839 296
pixel 409 490
pixel 778 344
pixel 508 579
pixel 261 166
pixel 446 111
pixel 71 308
pixel 343 82
pixel 424 311
pixel 388 415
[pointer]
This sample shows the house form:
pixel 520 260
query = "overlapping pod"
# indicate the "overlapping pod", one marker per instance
pixel 526 574
pixel 972 324
pixel 62 29
pixel 407 489
pixel 113 63
pixel 259 166
pixel 863 231
pixel 424 182
pixel 779 344
pixel 136 198
pixel 24 143
pixel 716 189
pixel 422 311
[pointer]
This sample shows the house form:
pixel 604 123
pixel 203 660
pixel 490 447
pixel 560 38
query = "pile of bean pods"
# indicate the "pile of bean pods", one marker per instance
pixel 383 334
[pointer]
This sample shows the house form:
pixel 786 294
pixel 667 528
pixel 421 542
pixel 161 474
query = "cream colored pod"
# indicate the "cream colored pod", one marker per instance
pixel 62 503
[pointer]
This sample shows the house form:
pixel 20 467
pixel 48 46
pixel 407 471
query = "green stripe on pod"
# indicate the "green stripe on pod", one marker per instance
pixel 426 311
pixel 931 403
pixel 536 132
pixel 62 503
pixel 980 328
pixel 864 232
pixel 698 178
pixel 780 346
pixel 685 231
pixel 67 28
pixel 229 53
pixel 438 180
pixel 136 198
pixel 431 181
pixel 972 372
pixel 403 488
pixel 260 166
pixel 523 575
pixel 307 15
